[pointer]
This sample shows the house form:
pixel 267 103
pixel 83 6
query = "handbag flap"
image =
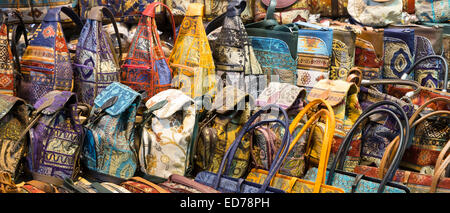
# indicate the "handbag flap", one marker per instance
pixel 227 98
pixel 7 102
pixel 125 97
pixel 282 94
pixel 333 91
pixel 54 101
pixel 176 100
pixel 280 3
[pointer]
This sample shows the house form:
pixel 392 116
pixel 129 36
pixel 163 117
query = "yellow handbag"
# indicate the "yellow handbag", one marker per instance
pixel 191 59
pixel 295 184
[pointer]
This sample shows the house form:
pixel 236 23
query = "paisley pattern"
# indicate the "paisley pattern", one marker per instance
pixel 345 182
pixel 146 67
pixel 55 142
pixel 426 73
pixel 397 58
pixel 7 79
pixel 96 65
pixel 166 139
pixel 46 64
pixel 109 143
pixel 191 59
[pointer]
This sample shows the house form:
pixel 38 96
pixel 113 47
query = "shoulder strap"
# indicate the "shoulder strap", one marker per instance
pixel 150 11
pixel 96 15
pixel 444 68
pixel 18 30
pixel 235 8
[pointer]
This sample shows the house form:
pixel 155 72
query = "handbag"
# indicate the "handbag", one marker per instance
pixel 226 184
pixel 34 11
pixel 234 58
pixel 376 13
pixel 343 98
pixel 14 118
pixel 329 8
pixel 343 52
pixel 292 183
pixel 399 50
pixel 369 52
pixel 194 73
pixel 123 11
pixel 96 62
pixel 9 58
pixel 354 183
pixel 432 11
pixel 286 11
pixel 145 67
pixel 46 64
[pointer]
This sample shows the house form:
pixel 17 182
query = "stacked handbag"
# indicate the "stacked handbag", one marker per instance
pixel 256 96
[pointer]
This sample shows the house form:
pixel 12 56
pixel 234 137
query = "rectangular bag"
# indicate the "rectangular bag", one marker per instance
pixel 343 52
pixel 399 50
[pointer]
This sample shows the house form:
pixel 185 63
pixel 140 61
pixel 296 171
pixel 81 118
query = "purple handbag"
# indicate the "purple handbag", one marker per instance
pixel 55 138
pixel 46 64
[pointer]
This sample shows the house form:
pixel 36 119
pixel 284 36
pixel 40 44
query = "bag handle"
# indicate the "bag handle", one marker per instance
pixel 414 84
pixel 345 146
pixel 438 173
pixel 72 15
pixel 309 25
pixel 96 15
pixel 230 152
pixel 150 11
pixel 18 30
pixel 235 8
pixel 444 68
pixel 393 146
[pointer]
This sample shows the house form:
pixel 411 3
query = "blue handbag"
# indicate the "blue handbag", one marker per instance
pixel 399 50
pixel 357 183
pixel 227 184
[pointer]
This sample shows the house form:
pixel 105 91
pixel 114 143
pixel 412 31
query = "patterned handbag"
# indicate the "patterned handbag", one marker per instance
pixel 230 110
pixel 432 11
pixel 329 8
pixel 234 58
pixel 109 152
pixel 145 67
pixel 343 97
pixel 46 64
pixel 141 185
pixel 167 134
pixel 369 52
pixel 343 52
pixel 191 58
pixel 351 182
pixel 376 13
pixel 399 50
pixel 314 53
pixel 222 182
pixel 33 11
pixel 14 117
pixel 9 58
pixel 286 11
pixel 7 184
pixel 56 137
pixel 292 183
pixel 181 184
pixel 124 11
pixel 96 63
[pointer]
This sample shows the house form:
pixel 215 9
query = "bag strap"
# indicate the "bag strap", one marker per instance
pixel 235 8
pixel 18 30
pixel 151 12
pixel 96 15
pixel 72 15
pixel 144 181
pixel 444 68
pixel 438 173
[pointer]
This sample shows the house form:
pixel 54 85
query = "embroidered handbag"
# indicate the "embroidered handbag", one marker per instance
pixel 314 52
pixel 343 52
pixel 181 184
pixel 46 64
pixel 230 110
pixel 34 11
pixel 166 134
pixel 145 67
pixel 399 50
pixel 109 152
pixel 234 58
pixel 56 137
pixel 224 183
pixel 369 52
pixel 376 13
pixel 343 97
pixel 292 183
pixel 191 58
pixel 96 62
pixel 351 182
pixel 329 8
pixel 432 11
pixel 14 117
pixel 9 57
pixel 286 11
pixel 123 11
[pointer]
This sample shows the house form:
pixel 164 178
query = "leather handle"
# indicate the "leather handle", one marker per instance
pixel 271 10
pixel 150 11
pixel 444 68
pixel 18 31
pixel 107 12
pixel 438 173
pixel 142 180
pixel 72 15
pixel 235 8
pixel 441 156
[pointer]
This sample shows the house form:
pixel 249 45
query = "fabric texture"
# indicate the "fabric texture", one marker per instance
pixel 7 77
pixel 432 11
pixel 377 14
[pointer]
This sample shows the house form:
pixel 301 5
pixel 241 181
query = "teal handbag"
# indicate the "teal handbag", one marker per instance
pixel 275 47
pixel 357 183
